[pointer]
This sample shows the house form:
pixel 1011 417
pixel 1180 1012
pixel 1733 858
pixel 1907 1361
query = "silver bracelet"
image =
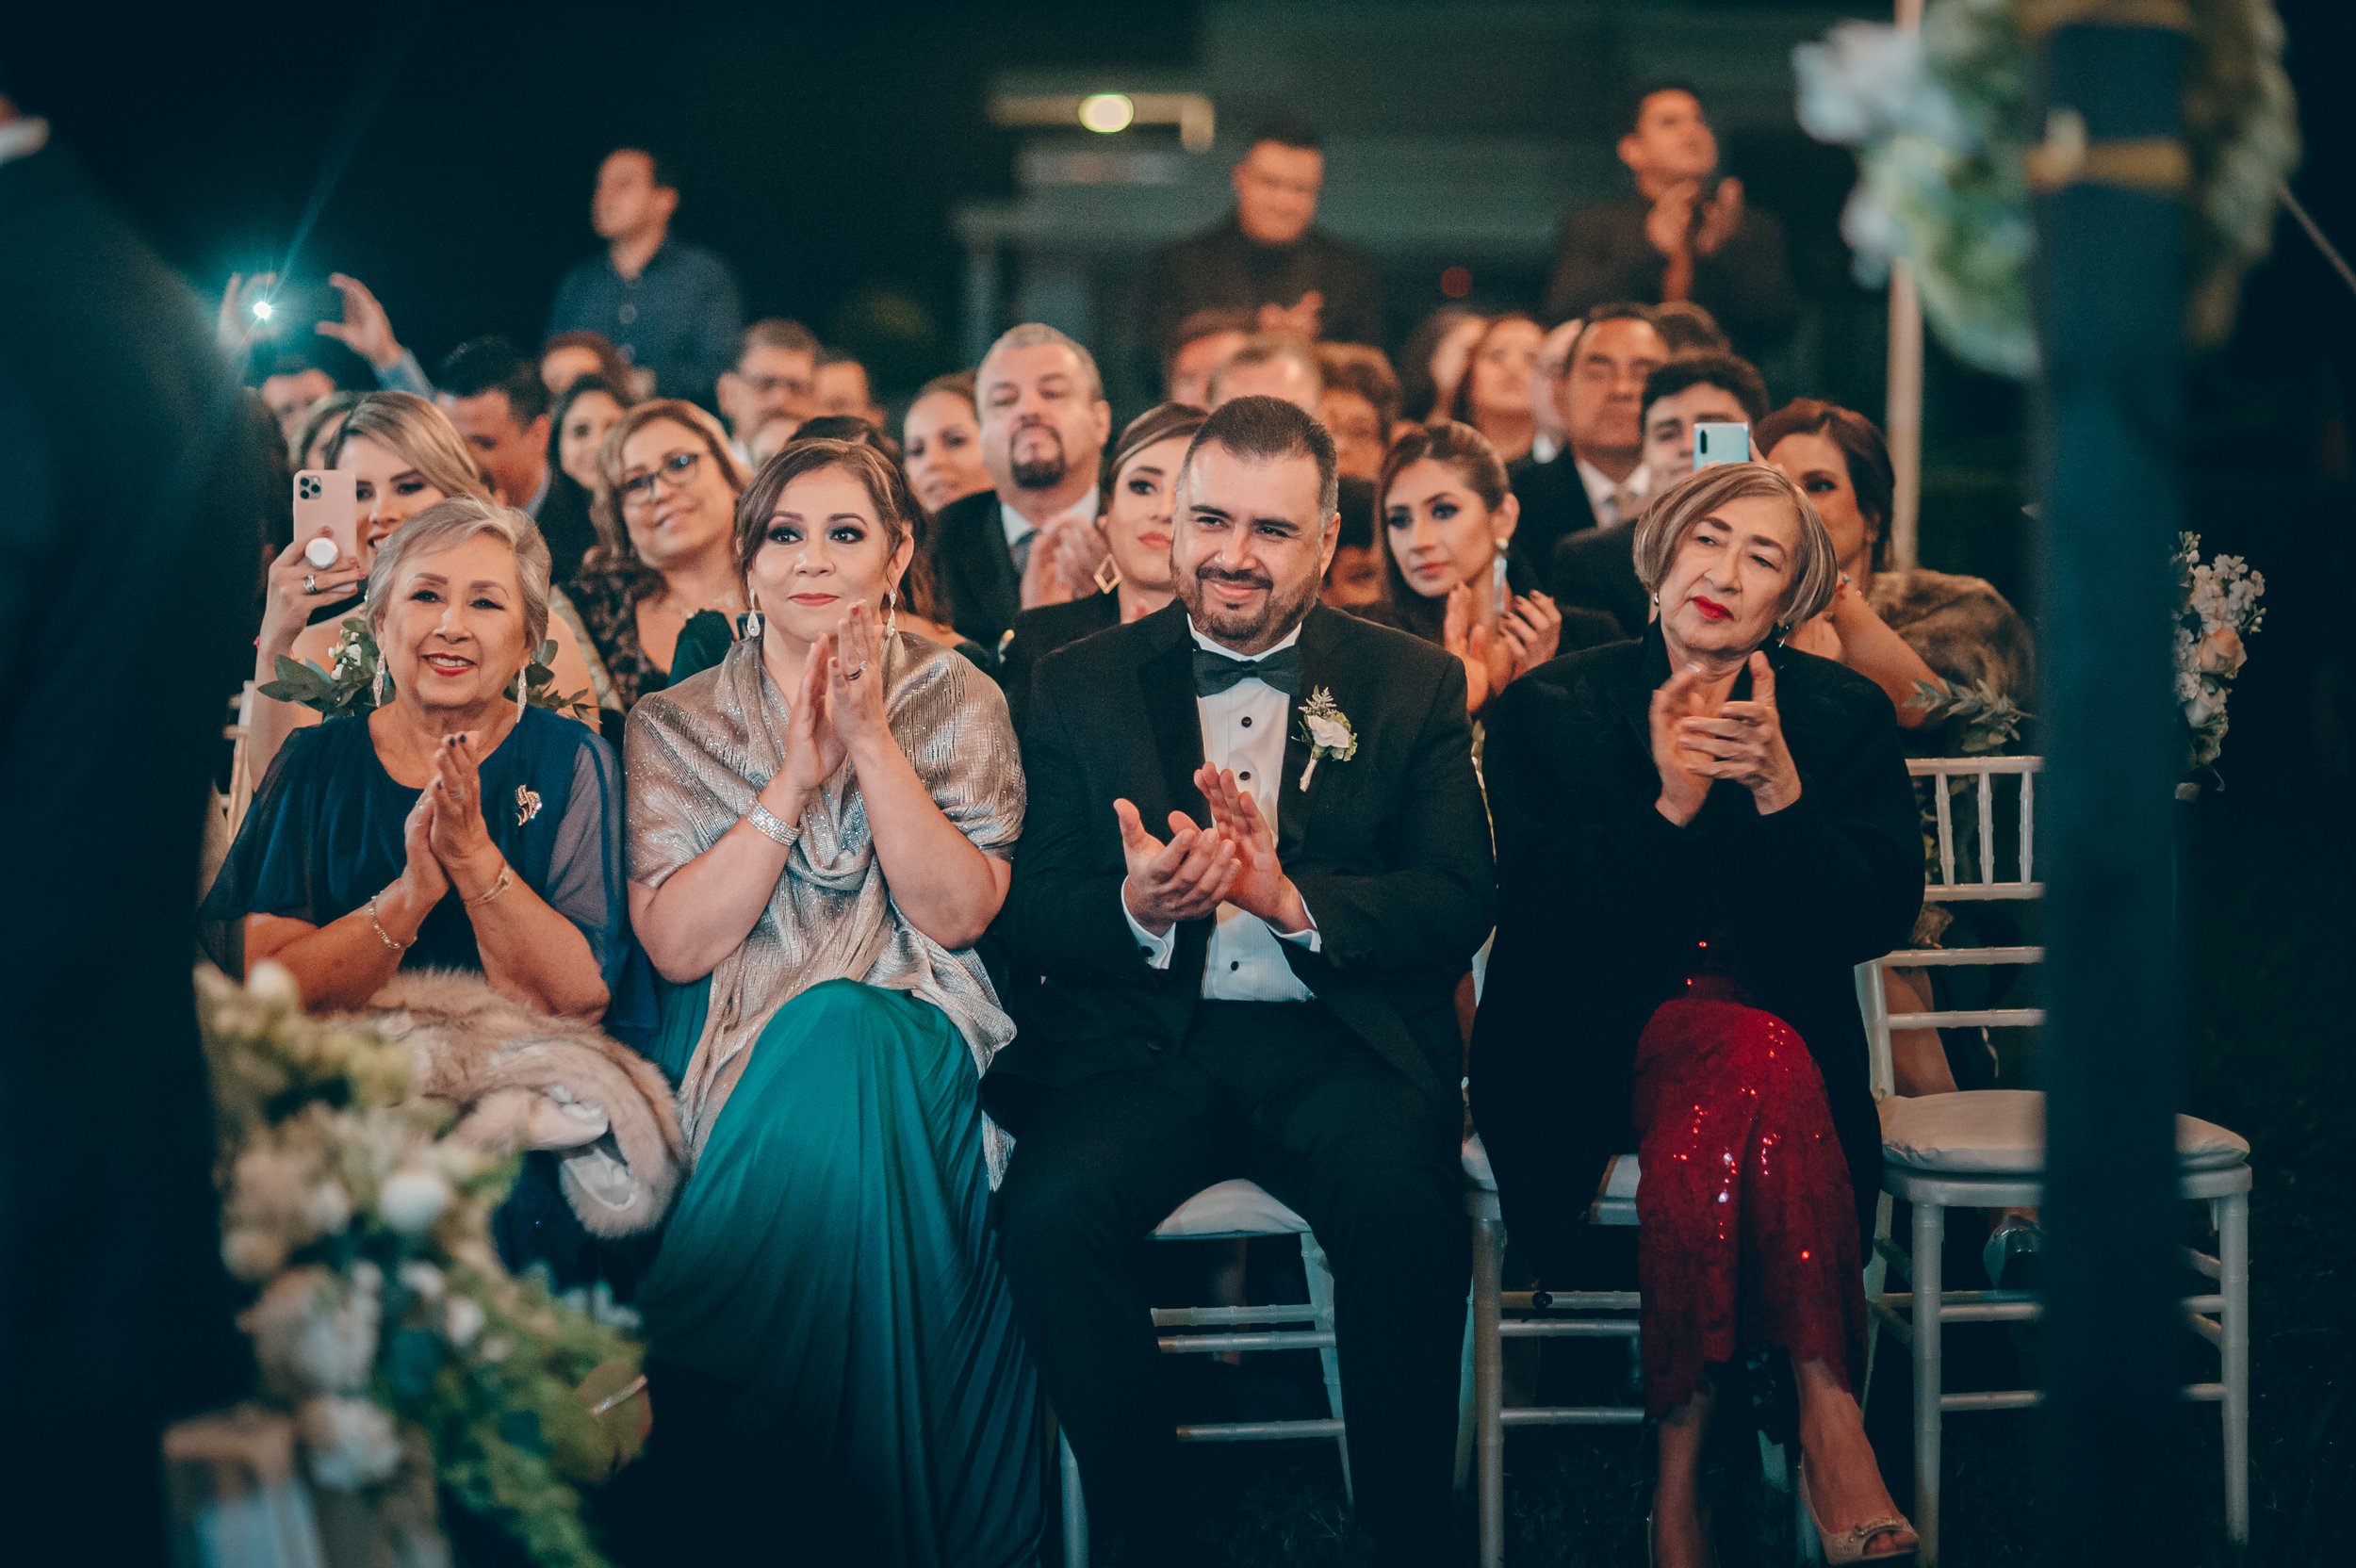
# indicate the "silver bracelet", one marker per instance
pixel 772 826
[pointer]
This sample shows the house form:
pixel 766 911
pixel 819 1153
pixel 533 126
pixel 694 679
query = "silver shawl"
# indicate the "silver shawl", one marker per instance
pixel 697 756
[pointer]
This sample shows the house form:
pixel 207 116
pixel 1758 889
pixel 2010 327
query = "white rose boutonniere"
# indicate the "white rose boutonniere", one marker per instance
pixel 1327 729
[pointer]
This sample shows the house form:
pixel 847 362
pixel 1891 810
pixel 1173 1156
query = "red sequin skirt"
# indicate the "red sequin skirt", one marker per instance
pixel 1746 1231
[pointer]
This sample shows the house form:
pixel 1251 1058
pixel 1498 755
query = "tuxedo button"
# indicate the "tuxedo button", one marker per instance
pixel 1234 964
pixel 1247 721
pixel 1244 777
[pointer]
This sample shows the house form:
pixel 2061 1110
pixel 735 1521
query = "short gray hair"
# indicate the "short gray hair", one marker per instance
pixel 1031 335
pixel 1674 514
pixel 454 522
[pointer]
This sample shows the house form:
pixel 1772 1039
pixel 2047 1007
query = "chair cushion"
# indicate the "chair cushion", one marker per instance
pixel 2002 1132
pixel 1231 1208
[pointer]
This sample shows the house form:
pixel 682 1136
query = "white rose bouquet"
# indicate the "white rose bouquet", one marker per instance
pixel 2216 611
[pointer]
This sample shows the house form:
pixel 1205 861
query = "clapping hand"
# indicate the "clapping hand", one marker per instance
pixel 1743 742
pixel 1260 888
pixel 855 695
pixel 421 874
pixel 460 838
pixel 1187 878
pixel 1683 785
pixel 1721 216
pixel 1303 319
pixel 813 748
pixel 366 329
pixel 1043 579
pixel 1080 549
pixel 1531 629
pixel 1488 660
pixel 1669 226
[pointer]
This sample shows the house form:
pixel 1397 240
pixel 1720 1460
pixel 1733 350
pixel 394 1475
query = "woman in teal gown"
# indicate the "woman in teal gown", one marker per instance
pixel 820 830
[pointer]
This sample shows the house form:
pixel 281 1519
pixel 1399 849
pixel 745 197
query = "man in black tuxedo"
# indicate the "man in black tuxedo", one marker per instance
pixel 1599 477
pixel 1596 569
pixel 1031 537
pixel 130 539
pixel 1685 234
pixel 1242 999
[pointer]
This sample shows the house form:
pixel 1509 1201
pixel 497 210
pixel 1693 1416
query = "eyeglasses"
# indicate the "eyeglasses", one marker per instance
pixel 676 471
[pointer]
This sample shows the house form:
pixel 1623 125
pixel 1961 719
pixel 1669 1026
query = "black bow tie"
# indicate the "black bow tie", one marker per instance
pixel 1214 672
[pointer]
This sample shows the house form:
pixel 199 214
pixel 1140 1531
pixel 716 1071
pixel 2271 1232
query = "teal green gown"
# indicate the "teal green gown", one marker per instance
pixel 829 1276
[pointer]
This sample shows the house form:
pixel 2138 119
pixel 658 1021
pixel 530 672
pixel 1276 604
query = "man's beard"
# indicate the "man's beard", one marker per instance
pixel 1038 473
pixel 1243 629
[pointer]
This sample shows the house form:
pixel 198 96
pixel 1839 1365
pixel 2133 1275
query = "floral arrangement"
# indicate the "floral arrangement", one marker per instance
pixel 1942 125
pixel 381 1318
pixel 348 684
pixel 2216 611
pixel 1985 720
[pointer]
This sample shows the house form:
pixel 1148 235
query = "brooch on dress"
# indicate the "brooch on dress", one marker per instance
pixel 527 804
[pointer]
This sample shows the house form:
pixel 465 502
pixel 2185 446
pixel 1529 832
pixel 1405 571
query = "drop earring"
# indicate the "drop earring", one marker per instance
pixel 752 622
pixel 380 685
pixel 522 700
pixel 891 617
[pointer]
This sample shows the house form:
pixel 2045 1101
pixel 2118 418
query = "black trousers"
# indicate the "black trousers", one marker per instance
pixel 1285 1095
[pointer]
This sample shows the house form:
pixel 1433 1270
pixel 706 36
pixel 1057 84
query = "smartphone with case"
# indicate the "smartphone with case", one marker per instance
pixel 326 499
pixel 1716 443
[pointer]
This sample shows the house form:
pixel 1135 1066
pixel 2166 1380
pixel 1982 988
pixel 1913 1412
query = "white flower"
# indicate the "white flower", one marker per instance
pixel 351 1442
pixel 412 1199
pixel 271 982
pixel 2221 653
pixel 1866 79
pixel 495 1350
pixel 462 1321
pixel 253 1254
pixel 313 1334
pixel 2206 704
pixel 1331 734
pixel 421 1280
pixel 328 1208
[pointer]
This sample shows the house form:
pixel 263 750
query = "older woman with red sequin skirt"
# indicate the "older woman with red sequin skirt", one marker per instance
pixel 1699 834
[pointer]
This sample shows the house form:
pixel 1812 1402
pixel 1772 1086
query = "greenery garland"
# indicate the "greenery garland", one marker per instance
pixel 1943 126
pixel 381 1318
pixel 348 684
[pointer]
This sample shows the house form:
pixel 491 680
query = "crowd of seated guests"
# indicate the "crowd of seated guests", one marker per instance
pixel 826 652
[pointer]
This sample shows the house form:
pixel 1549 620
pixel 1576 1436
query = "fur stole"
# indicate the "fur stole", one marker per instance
pixel 520 1079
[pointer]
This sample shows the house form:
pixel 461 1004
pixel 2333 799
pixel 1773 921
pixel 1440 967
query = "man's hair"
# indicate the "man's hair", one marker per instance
pixel 1362 368
pixel 1862 449
pixel 1688 327
pixel 1286 131
pixel 836 356
pixel 664 173
pixel 1632 107
pixel 1031 335
pixel 483 365
pixel 1612 310
pixel 1267 347
pixel 1267 429
pixel 1206 323
pixel 290 362
pixel 776 332
pixel 1729 373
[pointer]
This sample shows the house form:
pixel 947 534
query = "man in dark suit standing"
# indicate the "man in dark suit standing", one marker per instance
pixel 1268 259
pixel 1685 234
pixel 130 538
pixel 1599 477
pixel 1031 538
pixel 1268 991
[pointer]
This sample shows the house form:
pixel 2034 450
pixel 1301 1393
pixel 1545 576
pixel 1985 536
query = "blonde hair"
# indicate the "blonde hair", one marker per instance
pixel 1674 514
pixel 420 435
pixel 454 522
pixel 613 554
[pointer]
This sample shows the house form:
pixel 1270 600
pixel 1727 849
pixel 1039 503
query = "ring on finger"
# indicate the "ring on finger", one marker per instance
pixel 310 582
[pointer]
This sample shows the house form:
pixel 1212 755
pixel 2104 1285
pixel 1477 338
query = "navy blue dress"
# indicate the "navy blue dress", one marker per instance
pixel 324 836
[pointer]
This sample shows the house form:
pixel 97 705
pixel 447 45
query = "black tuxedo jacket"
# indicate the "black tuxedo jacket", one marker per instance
pixel 1390 850
pixel 974 570
pixel 1039 632
pixel 1554 508
pixel 1601 903
pixel 1604 257
pixel 1596 570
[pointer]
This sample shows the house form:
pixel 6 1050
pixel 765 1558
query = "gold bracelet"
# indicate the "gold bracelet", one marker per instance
pixel 384 936
pixel 496 887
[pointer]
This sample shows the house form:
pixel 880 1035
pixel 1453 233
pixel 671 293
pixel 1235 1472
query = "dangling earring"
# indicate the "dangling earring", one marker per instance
pixel 382 683
pixel 753 622
pixel 892 619
pixel 1108 575
pixel 521 700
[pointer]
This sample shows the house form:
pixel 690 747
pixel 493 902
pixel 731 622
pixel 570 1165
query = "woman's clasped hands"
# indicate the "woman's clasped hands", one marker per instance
pixel 446 839
pixel 838 703
pixel 1696 742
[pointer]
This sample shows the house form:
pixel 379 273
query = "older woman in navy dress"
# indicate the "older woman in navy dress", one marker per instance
pixel 452 827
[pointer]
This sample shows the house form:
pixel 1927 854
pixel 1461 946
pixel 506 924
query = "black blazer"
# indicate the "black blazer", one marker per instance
pixel 1390 850
pixel 1601 903
pixel 974 568
pixel 1554 507
pixel 1039 632
pixel 1604 256
pixel 1596 570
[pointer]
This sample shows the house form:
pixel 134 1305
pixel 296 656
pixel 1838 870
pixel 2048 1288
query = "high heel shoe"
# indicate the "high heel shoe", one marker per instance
pixel 1849 1545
